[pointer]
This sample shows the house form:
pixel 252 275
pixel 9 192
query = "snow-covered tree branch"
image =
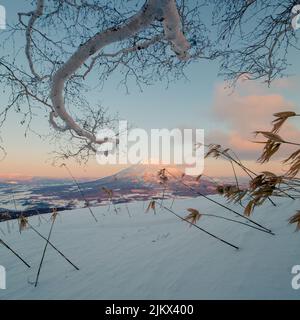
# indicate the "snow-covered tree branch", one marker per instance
pixel 152 10
pixel 53 50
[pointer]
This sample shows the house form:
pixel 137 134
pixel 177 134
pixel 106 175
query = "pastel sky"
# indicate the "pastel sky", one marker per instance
pixel 228 118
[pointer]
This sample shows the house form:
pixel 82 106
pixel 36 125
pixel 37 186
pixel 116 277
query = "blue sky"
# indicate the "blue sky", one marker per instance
pixel 188 104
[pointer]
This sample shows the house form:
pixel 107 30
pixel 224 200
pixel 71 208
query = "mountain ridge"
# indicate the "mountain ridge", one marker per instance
pixel 138 182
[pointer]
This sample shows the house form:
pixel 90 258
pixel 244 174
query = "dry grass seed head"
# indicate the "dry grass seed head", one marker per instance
pixel 23 223
pixel 151 206
pixel 233 193
pixel 294 161
pixel 281 118
pixel 198 177
pixel 109 192
pixel 269 150
pixel 162 176
pixel 193 216
pixel 213 151
pixel 220 190
pixel 271 136
pixel 54 214
pixel 249 208
pixel 295 219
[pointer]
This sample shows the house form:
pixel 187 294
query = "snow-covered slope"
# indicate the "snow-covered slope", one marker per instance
pixel 155 256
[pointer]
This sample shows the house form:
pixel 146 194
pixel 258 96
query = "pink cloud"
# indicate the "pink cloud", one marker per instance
pixel 247 113
pixel 244 111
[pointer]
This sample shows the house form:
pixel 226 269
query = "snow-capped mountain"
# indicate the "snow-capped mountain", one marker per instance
pixel 137 182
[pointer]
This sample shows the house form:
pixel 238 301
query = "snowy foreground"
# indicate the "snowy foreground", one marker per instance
pixel 157 256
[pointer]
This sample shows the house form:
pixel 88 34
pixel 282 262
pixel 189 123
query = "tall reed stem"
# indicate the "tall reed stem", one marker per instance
pixel 51 245
pixel 80 190
pixel 263 229
pixel 10 249
pixel 203 230
pixel 44 252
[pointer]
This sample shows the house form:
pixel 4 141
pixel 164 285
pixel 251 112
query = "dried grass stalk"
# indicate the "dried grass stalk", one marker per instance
pixel 193 216
pixel 151 206
pixel 281 118
pixel 23 223
pixel 11 250
pixel 296 219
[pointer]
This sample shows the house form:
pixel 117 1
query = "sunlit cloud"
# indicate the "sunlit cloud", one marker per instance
pixel 243 114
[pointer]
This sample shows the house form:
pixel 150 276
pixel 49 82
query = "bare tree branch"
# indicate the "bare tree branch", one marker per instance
pixel 66 43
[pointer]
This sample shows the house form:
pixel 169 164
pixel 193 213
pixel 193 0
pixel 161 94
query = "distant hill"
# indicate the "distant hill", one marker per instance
pixel 138 182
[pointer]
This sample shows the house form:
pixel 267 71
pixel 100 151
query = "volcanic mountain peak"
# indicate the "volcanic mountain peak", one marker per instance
pixel 149 172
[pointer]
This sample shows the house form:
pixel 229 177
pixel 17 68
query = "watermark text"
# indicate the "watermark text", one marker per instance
pixel 2 18
pixel 2 278
pixel 159 146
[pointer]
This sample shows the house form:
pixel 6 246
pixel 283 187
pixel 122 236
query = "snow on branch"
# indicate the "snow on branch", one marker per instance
pixel 125 51
pixel 34 15
pixel 152 10
pixel 173 30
